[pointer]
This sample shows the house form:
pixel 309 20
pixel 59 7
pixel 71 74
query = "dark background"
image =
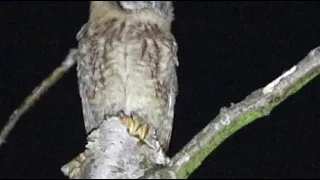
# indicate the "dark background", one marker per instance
pixel 226 50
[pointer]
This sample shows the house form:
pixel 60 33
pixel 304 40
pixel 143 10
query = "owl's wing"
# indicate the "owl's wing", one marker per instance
pixel 101 84
pixel 84 81
pixel 82 32
pixel 167 78
pixel 86 109
pixel 89 53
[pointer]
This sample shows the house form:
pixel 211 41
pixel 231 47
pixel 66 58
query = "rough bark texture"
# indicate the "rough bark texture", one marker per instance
pixel 258 104
pixel 126 67
pixel 104 151
pixel 112 153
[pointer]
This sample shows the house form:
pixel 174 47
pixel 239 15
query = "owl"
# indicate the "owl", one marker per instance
pixel 127 60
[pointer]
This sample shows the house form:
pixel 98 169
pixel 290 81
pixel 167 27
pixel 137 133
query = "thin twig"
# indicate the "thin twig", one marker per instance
pixel 36 93
pixel 258 104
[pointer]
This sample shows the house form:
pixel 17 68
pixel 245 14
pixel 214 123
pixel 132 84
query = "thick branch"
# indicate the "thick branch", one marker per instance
pixel 258 104
pixel 113 153
pixel 37 93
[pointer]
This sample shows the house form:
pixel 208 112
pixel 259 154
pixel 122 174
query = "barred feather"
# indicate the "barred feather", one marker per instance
pixel 127 62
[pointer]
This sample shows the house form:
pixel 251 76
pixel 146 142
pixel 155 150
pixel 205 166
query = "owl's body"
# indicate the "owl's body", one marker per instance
pixel 127 63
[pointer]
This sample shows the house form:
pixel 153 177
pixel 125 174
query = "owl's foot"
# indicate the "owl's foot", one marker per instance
pixel 135 127
pixel 72 169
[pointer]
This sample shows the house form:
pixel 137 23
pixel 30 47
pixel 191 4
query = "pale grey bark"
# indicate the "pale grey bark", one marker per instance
pixel 258 104
pixel 112 153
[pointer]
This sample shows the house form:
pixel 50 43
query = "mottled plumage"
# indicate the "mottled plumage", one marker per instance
pixel 127 63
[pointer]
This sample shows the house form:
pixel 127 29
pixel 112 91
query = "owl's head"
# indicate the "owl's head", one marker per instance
pixel 161 9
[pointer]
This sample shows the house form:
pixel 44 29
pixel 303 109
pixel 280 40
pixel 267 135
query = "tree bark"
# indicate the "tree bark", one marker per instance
pixel 256 105
pixel 230 119
pixel 111 152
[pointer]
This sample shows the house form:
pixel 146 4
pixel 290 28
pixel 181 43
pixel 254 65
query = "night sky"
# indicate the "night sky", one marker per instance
pixel 226 50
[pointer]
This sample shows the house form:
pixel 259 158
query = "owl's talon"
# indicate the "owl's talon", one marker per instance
pixel 74 172
pixel 135 127
pixel 72 168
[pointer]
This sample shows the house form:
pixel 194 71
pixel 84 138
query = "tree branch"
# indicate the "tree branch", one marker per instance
pixel 113 153
pixel 258 104
pixel 37 93
pixel 100 142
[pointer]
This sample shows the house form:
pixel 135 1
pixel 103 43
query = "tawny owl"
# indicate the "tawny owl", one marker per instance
pixel 127 63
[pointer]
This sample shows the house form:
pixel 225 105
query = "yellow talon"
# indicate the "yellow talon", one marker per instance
pixel 81 158
pixel 72 168
pixel 143 131
pixel 135 127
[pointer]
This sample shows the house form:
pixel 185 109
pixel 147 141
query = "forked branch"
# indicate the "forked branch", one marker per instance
pixel 258 104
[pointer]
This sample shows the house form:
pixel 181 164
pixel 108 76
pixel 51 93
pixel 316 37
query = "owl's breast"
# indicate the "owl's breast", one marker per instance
pixel 126 67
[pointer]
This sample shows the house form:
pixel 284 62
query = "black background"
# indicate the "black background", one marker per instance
pixel 226 50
